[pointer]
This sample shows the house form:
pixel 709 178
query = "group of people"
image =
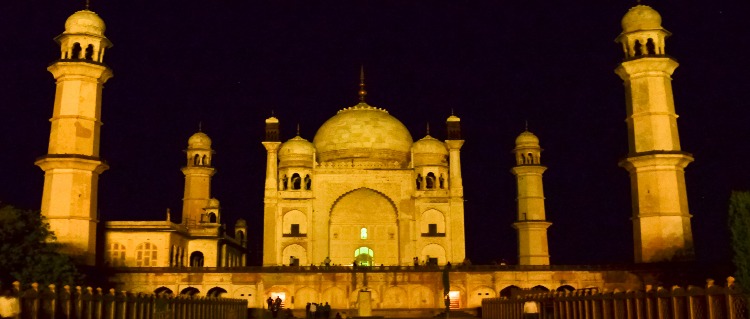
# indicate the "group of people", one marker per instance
pixel 274 306
pixel 315 310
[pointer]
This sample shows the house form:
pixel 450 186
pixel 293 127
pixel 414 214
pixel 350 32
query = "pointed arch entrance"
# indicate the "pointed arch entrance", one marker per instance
pixel 363 256
pixel 363 218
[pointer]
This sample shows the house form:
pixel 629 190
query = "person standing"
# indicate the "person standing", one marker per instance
pixel 9 306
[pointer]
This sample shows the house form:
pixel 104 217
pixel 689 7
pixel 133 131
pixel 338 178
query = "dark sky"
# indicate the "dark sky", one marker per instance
pixel 228 64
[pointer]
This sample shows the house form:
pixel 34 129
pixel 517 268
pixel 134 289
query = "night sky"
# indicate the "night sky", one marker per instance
pixel 496 64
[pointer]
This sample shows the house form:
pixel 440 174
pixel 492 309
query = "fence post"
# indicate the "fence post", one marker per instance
pixel 710 300
pixel 731 307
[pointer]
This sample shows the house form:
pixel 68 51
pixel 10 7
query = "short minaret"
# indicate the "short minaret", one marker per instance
pixel 271 142
pixel 198 173
pixel 656 163
pixel 531 221
pixel 72 164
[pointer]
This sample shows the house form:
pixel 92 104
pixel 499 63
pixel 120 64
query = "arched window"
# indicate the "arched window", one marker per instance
pixel 116 255
pixel 205 160
pixel 76 51
pixel 419 181
pixel 284 181
pixel 296 181
pixel 197 160
pixel 145 255
pixel 650 47
pixel 430 181
pixel 196 259
pixel 89 52
pixel 531 158
pixel 442 181
pixel 212 218
pixel 363 256
pixel 308 182
pixel 637 48
pixel 363 233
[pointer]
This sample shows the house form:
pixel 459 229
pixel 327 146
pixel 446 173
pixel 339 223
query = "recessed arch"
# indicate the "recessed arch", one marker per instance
pixel 434 251
pixel 510 291
pixel 565 288
pixel 190 291
pixel 432 217
pixel 296 251
pixel 216 292
pixel 163 291
pixel 294 217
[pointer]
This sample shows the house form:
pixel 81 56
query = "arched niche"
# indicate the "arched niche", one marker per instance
pixel 296 251
pixel 432 217
pixel 291 218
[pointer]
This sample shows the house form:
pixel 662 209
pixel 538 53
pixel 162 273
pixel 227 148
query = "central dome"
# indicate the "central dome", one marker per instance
pixel 363 134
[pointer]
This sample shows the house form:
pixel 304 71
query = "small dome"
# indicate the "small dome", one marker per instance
pixel 199 140
pixel 363 133
pixel 453 118
pixel 527 139
pixel 296 146
pixel 641 17
pixel 241 223
pixel 213 203
pixel 429 145
pixel 85 21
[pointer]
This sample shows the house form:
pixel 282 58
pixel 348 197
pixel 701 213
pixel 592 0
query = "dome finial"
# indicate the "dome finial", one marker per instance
pixel 526 122
pixel 87 4
pixel 428 128
pixel 362 92
pixel 297 129
pixel 200 126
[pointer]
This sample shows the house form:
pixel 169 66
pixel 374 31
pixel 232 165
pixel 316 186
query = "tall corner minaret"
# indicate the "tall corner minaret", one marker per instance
pixel 198 172
pixel 656 163
pixel 271 142
pixel 72 164
pixel 454 141
pixel 531 222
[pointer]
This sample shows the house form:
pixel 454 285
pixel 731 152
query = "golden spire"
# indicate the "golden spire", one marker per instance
pixel 297 129
pixel 362 92
pixel 87 4
pixel 428 128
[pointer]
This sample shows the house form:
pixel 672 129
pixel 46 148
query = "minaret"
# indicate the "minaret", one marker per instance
pixel 656 163
pixel 454 141
pixel 72 164
pixel 198 173
pixel 531 221
pixel 271 142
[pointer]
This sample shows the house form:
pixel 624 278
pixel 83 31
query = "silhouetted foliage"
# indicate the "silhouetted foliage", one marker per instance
pixel 739 225
pixel 28 252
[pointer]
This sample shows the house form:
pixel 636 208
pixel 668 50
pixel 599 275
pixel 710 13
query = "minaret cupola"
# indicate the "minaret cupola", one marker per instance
pixel 83 38
pixel 527 149
pixel 642 33
pixel 199 150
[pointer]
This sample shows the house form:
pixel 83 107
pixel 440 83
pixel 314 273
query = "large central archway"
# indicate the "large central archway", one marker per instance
pixel 364 218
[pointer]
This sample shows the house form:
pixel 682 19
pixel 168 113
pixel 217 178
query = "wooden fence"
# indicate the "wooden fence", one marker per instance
pixel 711 302
pixel 89 303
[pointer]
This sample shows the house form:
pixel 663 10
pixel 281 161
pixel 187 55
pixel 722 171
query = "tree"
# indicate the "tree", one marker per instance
pixel 739 225
pixel 28 252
